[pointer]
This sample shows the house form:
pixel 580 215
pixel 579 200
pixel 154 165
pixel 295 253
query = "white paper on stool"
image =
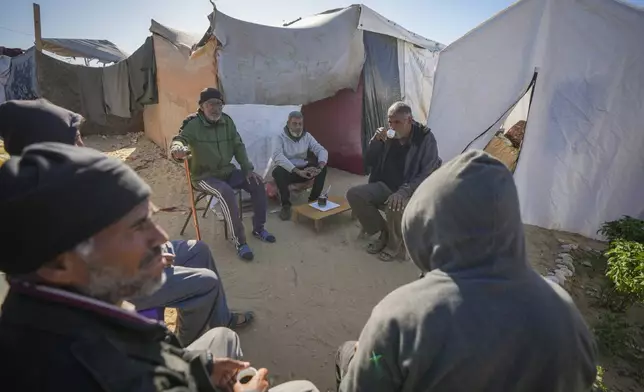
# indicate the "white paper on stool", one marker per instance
pixel 329 206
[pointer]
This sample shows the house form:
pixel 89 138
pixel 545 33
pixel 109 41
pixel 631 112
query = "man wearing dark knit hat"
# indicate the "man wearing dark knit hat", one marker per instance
pixel 78 239
pixel 212 139
pixel 194 286
pixel 23 123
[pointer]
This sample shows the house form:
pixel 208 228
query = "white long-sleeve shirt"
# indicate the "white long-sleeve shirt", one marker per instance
pixel 288 149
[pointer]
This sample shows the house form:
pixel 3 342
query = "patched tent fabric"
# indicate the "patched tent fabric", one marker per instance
pixel 345 122
pixel 99 49
pixel 288 66
pixel 60 83
pixel 581 162
pixel 5 71
pixel 23 79
pixel 182 40
pixel 372 21
pixel 381 81
pixel 259 126
pixel 417 78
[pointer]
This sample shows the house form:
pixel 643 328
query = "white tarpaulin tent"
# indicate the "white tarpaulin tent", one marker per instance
pixel 278 66
pixel 259 126
pixel 581 162
pixel 312 58
pixel 181 78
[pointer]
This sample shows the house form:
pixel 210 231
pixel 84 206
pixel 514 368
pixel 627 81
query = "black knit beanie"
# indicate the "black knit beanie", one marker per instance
pixel 210 93
pixel 23 123
pixel 56 196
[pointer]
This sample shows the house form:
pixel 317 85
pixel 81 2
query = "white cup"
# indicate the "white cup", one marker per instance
pixel 391 133
pixel 250 371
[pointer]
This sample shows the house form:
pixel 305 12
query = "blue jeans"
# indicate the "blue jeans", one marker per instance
pixel 193 288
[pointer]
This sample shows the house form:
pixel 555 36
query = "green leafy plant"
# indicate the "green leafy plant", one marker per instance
pixel 617 337
pixel 625 268
pixel 598 385
pixel 610 298
pixel 626 228
pixel 612 332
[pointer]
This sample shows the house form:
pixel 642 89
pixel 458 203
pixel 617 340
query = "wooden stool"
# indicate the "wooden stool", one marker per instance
pixel 316 215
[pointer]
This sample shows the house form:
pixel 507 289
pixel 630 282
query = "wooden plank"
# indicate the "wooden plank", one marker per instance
pixel 37 30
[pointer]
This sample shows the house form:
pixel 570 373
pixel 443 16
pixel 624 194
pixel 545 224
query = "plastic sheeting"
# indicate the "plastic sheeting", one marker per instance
pixel 99 49
pixel 336 123
pixel 288 66
pixel 142 72
pixel 23 80
pixel 5 71
pixel 381 82
pixel 372 21
pixel 417 78
pixel 259 126
pixel 581 163
pixel 59 82
pixel 116 89
pixel 182 40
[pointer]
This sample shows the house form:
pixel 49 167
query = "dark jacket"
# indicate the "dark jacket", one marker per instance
pixel 481 319
pixel 422 158
pixel 62 342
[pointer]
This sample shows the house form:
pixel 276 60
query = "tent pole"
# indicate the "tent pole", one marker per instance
pixel 37 31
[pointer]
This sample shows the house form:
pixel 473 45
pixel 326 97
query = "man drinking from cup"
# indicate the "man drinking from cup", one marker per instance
pixel 400 159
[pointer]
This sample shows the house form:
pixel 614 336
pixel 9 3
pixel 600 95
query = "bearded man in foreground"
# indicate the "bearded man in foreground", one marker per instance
pixel 78 239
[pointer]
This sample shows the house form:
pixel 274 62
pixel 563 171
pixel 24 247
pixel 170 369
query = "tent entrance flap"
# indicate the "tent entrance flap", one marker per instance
pixel 381 83
pixel 507 141
pixel 500 122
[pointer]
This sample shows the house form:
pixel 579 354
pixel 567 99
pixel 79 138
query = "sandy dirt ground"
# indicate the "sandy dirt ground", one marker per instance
pixel 311 292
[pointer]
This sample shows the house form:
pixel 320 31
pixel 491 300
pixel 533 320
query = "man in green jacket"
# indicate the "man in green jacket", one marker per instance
pixel 212 139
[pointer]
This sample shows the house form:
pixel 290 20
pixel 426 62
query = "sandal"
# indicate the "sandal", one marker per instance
pixel 264 236
pixel 245 253
pixel 386 256
pixel 239 320
pixel 378 245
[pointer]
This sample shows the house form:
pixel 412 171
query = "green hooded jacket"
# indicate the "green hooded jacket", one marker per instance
pixel 213 146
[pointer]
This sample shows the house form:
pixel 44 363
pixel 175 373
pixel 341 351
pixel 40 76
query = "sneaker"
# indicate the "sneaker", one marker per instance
pixel 244 252
pixel 285 213
pixel 264 235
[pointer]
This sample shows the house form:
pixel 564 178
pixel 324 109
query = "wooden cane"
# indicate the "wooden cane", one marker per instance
pixel 192 199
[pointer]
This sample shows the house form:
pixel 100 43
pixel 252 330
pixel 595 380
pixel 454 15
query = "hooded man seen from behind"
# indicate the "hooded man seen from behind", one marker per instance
pixel 298 158
pixel 481 319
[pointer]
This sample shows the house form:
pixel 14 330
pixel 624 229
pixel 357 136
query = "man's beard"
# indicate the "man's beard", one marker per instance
pixel 108 284
pixel 213 117
pixel 295 133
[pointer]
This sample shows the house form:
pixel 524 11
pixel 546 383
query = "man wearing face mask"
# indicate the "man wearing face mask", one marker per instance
pixel 212 140
pixel 399 159
pixel 78 239
pixel 298 157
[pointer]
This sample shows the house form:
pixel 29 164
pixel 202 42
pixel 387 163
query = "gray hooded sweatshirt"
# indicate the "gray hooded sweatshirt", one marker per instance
pixel 481 319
